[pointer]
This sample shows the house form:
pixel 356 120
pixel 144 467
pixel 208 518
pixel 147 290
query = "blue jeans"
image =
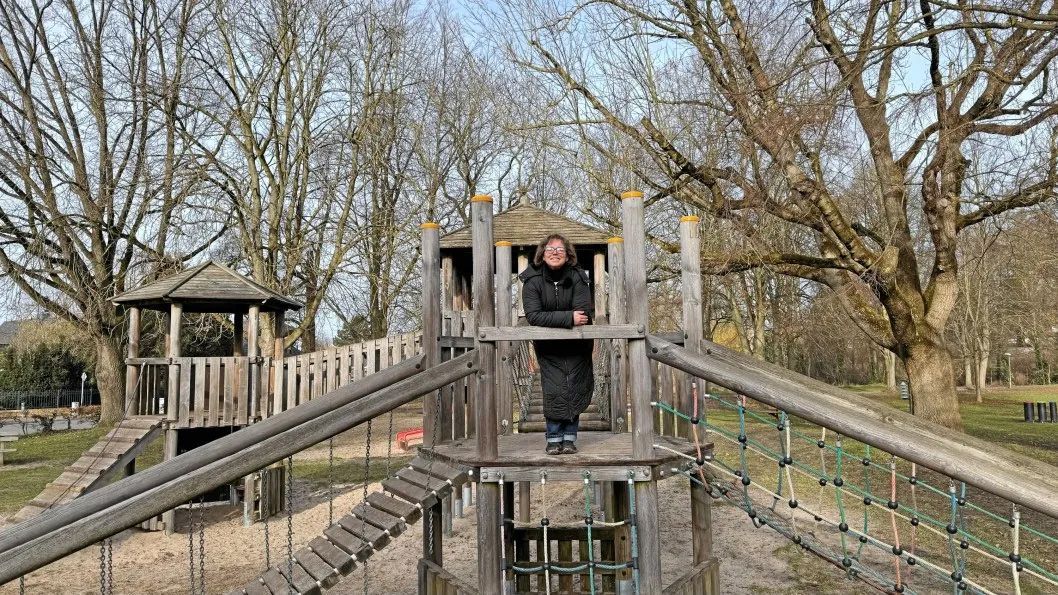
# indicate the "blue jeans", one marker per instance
pixel 558 431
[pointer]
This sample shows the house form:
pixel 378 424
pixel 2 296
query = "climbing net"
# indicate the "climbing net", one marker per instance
pixel 880 519
pixel 588 565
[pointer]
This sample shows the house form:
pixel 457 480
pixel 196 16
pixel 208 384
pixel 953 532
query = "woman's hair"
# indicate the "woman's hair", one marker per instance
pixel 571 252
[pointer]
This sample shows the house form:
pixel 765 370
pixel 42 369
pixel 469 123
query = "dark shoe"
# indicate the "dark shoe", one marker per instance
pixel 553 448
pixel 569 448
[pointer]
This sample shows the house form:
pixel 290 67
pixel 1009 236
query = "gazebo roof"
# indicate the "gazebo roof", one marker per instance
pixel 526 225
pixel 209 287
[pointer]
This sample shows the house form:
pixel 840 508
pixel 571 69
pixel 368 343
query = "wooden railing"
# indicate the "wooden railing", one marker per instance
pixel 434 580
pixel 567 547
pixel 226 391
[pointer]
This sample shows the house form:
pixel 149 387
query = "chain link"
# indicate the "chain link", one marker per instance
pixel 330 483
pixel 429 464
pixel 22 585
pixel 103 567
pixel 367 477
pixel 266 509
pixel 389 445
pixel 110 564
pixel 201 548
pixel 289 497
pixel 191 545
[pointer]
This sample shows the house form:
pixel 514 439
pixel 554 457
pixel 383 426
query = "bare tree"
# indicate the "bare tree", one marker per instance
pixel 92 174
pixel 794 100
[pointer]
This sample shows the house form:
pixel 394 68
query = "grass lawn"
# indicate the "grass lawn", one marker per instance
pixel 39 459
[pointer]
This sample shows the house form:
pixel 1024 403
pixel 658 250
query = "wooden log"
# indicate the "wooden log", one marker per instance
pixel 505 380
pixel 486 423
pixel 489 334
pixel 132 372
pixel 1020 479
pixel 691 289
pixel 619 350
pixel 237 442
pixel 431 324
pixel 640 389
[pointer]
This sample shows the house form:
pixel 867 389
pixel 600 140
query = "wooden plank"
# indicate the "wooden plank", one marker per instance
pixel 305 386
pixel 290 397
pixel 567 473
pixel 332 555
pixel 667 396
pixel 227 373
pixel 186 392
pixel 371 534
pixel 410 492
pixel 585 579
pixel 395 507
pixel 275 581
pixel 422 480
pixel 323 573
pixel 439 469
pixel 213 409
pixel 565 554
pixel 491 334
pixel 242 394
pixel 380 518
pixel 319 372
pixel 470 406
pixel 354 546
pixel 256 587
pixel 358 362
pixel 302 582
pixel 459 409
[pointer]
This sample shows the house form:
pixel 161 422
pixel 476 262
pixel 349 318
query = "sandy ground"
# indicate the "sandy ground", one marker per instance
pixel 751 560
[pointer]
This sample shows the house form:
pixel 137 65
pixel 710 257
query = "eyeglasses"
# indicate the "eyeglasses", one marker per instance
pixel 555 250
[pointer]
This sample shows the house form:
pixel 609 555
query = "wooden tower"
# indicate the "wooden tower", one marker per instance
pixel 623 466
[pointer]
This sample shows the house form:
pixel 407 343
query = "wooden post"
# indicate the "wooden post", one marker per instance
pixel 599 282
pixel 433 521
pixel 278 349
pixel 448 283
pixel 691 270
pixel 504 315
pixel 702 534
pixel 640 389
pixel 483 292
pixel 524 487
pixel 132 371
pixel 619 352
pixel 523 263
pixel 172 398
pixel 253 351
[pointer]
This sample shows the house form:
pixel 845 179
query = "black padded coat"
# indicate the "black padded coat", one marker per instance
pixel 549 298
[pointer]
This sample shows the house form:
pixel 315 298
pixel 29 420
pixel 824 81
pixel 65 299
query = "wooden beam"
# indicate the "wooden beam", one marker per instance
pixel 253 350
pixel 201 477
pixel 172 398
pixel 132 372
pixel 431 324
pixel 504 318
pixel 55 519
pixel 640 389
pixel 571 473
pixel 238 336
pixel 619 352
pixel 691 289
pixel 1020 479
pixel 490 334
pixel 490 569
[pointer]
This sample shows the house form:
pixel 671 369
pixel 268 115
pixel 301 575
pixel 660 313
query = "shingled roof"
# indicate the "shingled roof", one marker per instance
pixel 525 225
pixel 210 287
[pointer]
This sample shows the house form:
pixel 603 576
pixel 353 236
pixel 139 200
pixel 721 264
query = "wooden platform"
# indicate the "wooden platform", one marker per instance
pixel 605 455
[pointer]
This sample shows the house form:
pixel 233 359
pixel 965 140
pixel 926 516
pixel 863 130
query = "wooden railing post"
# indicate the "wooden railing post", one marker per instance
pixel 132 371
pixel 433 539
pixel 253 351
pixel 505 387
pixel 486 425
pixel 640 389
pixel 691 270
pixel 619 351
pixel 172 398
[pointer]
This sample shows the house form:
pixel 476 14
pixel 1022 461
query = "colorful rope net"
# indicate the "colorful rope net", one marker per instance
pixel 886 521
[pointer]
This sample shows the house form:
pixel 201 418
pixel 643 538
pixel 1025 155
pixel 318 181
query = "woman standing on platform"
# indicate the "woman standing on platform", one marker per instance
pixel 556 293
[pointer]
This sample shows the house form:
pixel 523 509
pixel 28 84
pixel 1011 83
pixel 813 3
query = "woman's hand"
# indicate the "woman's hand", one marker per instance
pixel 579 318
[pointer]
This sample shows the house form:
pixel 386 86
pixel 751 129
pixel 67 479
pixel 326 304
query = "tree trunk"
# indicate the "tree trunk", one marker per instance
pixel 932 383
pixel 110 378
pixel 982 375
pixel 890 369
pixel 968 375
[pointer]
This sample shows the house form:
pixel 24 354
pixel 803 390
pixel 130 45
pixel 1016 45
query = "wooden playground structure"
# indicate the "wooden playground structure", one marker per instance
pixel 465 367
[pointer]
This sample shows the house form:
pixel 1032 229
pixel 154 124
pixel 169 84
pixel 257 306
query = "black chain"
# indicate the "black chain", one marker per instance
pixel 266 509
pixel 330 483
pixel 191 545
pixel 103 567
pixel 367 477
pixel 289 497
pixel 429 464
pixel 201 548
pixel 110 564
pixel 389 445
pixel 22 585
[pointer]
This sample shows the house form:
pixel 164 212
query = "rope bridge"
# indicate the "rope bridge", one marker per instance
pixel 882 519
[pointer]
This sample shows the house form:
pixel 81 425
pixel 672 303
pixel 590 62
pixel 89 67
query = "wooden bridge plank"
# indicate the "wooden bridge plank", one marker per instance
pixel 395 507
pixel 422 480
pixel 332 555
pixel 323 573
pixel 410 492
pixel 275 581
pixel 380 519
pixel 360 528
pixel 303 583
pixel 439 469
pixel 353 545
pixel 256 587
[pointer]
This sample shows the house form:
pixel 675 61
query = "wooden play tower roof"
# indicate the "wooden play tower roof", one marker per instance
pixel 524 225
pixel 209 287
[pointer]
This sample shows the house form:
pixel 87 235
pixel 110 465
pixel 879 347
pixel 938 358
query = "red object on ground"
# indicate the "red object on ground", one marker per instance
pixel 407 436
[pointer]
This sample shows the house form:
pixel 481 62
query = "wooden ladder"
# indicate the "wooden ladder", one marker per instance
pixel 370 526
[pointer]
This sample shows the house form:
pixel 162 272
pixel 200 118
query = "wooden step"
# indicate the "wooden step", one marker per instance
pixel 127 434
pixel 347 542
pixel 439 469
pixel 321 572
pixel 302 582
pixel 332 555
pixel 394 506
pixel 380 518
pixel 538 409
pixel 585 426
pixel 114 448
pixel 410 492
pixel 367 532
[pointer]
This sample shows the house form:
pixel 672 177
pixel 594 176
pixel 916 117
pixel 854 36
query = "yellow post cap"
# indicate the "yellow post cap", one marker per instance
pixel 690 219
pixel 481 198
pixel 503 244
pixel 615 240
pixel 631 194
pixel 429 225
